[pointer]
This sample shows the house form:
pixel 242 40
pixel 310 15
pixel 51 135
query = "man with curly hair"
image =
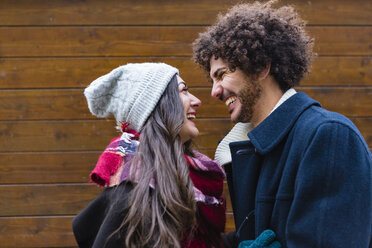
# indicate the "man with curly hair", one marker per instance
pixel 292 166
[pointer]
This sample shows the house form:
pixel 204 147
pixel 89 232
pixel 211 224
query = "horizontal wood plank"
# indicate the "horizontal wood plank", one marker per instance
pixel 49 136
pixel 53 199
pixel 340 71
pixel 38 136
pixel 71 104
pixel 97 41
pixel 47 199
pixel 52 167
pixel 47 167
pixel 152 41
pixel 79 72
pixel 333 12
pixel 352 102
pixel 342 40
pixel 43 104
pixel 47 12
pixel 27 232
pixel 36 232
pixel 365 128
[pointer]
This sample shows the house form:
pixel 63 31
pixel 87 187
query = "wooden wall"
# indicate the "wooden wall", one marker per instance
pixel 51 49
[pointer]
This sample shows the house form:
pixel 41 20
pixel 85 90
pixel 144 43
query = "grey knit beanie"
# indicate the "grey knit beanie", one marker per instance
pixel 129 92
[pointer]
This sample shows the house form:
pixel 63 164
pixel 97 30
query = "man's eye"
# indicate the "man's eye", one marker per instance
pixel 221 75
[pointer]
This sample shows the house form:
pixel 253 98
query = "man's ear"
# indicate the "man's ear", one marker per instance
pixel 264 73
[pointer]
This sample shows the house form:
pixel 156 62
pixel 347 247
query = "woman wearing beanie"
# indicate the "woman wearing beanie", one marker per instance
pixel 158 192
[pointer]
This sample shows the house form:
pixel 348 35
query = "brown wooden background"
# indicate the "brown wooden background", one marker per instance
pixel 51 49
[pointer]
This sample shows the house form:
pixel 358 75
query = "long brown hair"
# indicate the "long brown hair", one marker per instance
pixel 161 216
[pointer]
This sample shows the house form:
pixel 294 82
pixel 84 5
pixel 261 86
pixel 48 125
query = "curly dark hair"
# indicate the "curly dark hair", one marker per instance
pixel 253 36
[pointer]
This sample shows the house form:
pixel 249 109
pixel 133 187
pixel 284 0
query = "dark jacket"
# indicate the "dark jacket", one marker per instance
pixel 306 174
pixel 101 218
pixel 104 215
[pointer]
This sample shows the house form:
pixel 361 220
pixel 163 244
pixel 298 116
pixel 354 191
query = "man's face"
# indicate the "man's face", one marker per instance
pixel 235 89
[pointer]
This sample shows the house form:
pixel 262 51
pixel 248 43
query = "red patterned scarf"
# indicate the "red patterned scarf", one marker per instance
pixel 206 175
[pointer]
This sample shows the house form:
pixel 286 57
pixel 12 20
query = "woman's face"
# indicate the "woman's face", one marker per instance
pixel 190 104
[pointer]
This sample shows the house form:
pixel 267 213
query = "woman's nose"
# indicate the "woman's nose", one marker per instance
pixel 195 102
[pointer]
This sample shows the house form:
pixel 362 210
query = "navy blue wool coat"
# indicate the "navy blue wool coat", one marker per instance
pixel 305 174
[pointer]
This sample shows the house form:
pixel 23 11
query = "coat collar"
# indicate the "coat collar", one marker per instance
pixel 273 129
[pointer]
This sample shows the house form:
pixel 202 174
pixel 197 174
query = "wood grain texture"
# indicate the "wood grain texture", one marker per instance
pixel 166 12
pixel 49 231
pixel 43 231
pixel 50 50
pixel 230 224
pixel 79 72
pixel 52 136
pixel 227 196
pixel 74 167
pixel 46 199
pixel 39 136
pixel 340 71
pixel 342 40
pixel 153 41
pixel 352 102
pixel 70 104
pixel 54 199
pixel 68 136
pixel 365 127
pixel 97 41
pixel 52 167
pixel 43 104
pixel 47 167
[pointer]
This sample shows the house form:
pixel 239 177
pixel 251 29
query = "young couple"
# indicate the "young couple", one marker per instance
pixel 298 175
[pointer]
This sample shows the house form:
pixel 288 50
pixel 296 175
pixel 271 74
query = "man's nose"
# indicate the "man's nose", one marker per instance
pixel 216 90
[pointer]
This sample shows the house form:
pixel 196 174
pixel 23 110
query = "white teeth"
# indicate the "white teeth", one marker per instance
pixel 191 116
pixel 230 100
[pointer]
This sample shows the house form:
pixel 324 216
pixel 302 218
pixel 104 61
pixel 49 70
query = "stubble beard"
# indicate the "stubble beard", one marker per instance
pixel 248 97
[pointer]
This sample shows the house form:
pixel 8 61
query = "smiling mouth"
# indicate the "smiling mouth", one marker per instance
pixel 191 116
pixel 230 100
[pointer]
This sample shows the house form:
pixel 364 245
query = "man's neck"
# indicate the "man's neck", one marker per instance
pixel 270 95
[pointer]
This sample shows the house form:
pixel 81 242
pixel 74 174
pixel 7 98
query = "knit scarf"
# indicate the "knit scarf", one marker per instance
pixel 207 177
pixel 113 167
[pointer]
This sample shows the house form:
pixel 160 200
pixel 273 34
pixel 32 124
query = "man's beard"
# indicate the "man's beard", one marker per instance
pixel 248 97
